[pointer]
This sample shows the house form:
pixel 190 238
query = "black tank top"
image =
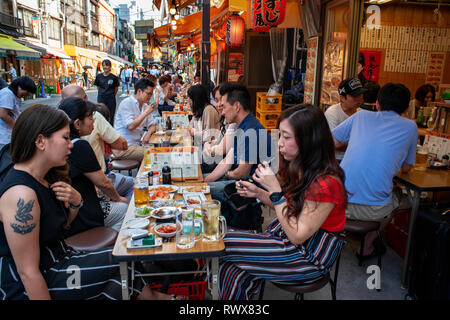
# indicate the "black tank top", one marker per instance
pixel 52 218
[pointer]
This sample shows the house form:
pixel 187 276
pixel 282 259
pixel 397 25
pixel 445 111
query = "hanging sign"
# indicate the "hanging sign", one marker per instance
pixel 273 11
pixel 258 23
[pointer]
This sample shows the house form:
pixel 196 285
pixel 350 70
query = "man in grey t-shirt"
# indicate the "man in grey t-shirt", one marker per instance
pixel 10 105
pixel 350 96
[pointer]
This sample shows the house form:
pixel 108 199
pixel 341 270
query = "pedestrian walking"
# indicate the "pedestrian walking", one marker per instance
pixel 108 85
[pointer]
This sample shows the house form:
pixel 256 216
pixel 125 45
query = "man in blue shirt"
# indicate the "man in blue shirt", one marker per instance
pixel 252 142
pixel 380 144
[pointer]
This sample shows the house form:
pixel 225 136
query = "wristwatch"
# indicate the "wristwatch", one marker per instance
pixel 226 176
pixel 71 206
pixel 275 197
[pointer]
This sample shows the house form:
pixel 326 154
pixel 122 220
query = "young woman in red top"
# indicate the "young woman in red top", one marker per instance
pixel 309 197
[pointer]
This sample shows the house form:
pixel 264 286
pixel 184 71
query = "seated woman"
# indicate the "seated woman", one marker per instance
pixel 309 197
pixel 205 123
pixel 424 94
pixel 86 174
pixel 163 94
pixel 35 207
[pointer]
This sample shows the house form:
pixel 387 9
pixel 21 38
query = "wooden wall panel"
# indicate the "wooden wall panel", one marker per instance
pixel 411 15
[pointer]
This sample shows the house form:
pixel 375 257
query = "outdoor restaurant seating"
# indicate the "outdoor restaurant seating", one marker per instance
pixel 362 228
pixel 123 164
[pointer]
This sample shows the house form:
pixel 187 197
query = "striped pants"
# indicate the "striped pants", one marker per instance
pixel 73 276
pixel 251 257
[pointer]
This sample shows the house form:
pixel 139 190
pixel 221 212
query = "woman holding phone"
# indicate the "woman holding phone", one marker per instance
pixel 309 198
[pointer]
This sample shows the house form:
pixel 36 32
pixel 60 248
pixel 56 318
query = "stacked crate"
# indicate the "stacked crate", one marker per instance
pixel 268 109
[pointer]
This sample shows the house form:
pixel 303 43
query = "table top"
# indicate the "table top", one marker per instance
pixel 169 250
pixel 425 179
pixel 178 136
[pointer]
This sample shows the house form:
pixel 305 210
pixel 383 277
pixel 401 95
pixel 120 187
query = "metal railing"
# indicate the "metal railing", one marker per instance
pixel 11 21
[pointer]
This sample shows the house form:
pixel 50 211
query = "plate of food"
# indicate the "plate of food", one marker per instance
pixel 166 230
pixel 190 189
pixel 160 133
pixel 137 223
pixel 159 195
pixel 194 198
pixel 164 213
pixel 163 187
pixel 143 211
pixel 197 214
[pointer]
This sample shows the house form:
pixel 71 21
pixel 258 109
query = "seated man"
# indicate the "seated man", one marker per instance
pixel 249 146
pixel 380 144
pixel 103 132
pixel 350 96
pixel 133 115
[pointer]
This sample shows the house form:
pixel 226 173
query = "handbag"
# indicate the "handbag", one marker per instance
pixel 239 212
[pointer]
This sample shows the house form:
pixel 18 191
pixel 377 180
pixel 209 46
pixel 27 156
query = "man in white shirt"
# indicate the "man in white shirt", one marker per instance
pixel 350 96
pixel 125 77
pixel 10 105
pixel 132 116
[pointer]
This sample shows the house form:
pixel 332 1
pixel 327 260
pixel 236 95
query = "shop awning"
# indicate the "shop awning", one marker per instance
pixel 138 61
pixel 119 59
pixel 22 52
pixel 57 53
pixel 191 24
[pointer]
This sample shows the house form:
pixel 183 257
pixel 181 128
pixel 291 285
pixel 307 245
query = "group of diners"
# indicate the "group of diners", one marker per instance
pixel 59 171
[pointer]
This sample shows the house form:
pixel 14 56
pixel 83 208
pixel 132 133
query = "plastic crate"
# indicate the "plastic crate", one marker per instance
pixel 194 290
pixel 266 103
pixel 268 119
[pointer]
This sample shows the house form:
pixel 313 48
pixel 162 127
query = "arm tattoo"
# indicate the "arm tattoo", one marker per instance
pixel 23 216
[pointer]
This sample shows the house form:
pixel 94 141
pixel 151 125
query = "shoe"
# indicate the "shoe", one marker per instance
pixel 380 248
pixel 367 257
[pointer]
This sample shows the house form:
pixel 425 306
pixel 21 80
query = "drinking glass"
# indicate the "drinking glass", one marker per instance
pixel 212 220
pixel 185 228
pixel 141 191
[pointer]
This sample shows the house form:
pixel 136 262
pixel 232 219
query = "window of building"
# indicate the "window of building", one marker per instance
pixel 54 29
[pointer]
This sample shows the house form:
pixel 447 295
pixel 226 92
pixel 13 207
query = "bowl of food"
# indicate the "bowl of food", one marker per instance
pixel 143 211
pixel 166 230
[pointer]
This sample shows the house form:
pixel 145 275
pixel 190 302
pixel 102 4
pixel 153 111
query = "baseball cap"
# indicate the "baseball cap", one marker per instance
pixel 352 87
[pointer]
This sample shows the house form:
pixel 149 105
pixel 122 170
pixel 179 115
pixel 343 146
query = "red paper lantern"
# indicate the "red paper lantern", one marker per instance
pixel 235 30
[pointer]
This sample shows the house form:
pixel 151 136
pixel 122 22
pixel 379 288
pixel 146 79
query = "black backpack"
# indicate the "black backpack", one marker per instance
pixel 239 212
pixel 5 161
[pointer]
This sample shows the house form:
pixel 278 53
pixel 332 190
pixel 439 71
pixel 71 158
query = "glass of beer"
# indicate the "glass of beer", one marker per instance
pixel 147 159
pixel 212 220
pixel 140 191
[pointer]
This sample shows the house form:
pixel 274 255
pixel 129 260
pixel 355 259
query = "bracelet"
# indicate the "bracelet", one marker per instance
pixel 71 206
pixel 282 200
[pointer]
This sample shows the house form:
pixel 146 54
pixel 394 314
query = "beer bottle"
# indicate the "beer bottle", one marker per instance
pixel 169 123
pixel 419 119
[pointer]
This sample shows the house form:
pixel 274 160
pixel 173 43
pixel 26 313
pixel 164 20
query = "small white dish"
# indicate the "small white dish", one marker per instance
pixel 162 186
pixel 164 213
pixel 137 223
pixel 194 198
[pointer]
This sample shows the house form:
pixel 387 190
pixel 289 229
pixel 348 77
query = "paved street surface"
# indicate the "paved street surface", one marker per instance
pixel 54 99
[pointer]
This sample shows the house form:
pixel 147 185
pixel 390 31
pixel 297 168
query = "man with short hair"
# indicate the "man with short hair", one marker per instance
pixel 350 97
pixel 380 144
pixel 103 132
pixel 10 105
pixel 249 147
pixel 133 115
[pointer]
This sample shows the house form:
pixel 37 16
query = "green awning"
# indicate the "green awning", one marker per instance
pixel 22 52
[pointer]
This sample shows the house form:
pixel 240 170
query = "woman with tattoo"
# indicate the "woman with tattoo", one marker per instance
pixel 37 202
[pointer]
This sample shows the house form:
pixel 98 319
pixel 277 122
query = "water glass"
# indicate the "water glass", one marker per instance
pixel 185 227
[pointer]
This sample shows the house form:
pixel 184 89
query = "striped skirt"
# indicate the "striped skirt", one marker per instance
pixel 73 275
pixel 251 257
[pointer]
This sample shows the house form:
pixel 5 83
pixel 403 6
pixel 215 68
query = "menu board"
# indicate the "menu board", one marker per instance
pixel 435 68
pixel 178 118
pixel 235 66
pixel 183 161
pixel 311 69
pixel 332 72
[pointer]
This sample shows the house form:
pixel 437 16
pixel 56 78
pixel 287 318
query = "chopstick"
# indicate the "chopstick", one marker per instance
pixel 135 223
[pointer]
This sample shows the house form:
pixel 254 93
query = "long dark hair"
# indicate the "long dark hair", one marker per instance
pixel 199 97
pixel 422 92
pixel 33 121
pixel 76 108
pixel 316 156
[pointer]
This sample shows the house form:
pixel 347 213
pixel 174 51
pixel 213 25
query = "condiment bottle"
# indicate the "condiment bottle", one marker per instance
pixel 155 178
pixel 150 178
pixel 166 175
pixel 169 123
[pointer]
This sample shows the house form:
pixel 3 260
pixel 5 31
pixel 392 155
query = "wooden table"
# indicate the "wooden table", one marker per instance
pixel 177 137
pixel 169 251
pixel 419 179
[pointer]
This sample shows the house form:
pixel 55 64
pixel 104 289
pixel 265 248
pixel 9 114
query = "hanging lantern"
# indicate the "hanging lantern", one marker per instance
pixel 58 63
pixel 258 23
pixel 273 11
pixel 235 30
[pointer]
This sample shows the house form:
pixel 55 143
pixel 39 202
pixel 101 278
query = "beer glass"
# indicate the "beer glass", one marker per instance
pixel 147 160
pixel 140 191
pixel 211 220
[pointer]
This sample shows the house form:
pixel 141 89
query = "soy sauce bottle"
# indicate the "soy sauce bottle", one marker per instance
pixel 166 175
pixel 169 123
